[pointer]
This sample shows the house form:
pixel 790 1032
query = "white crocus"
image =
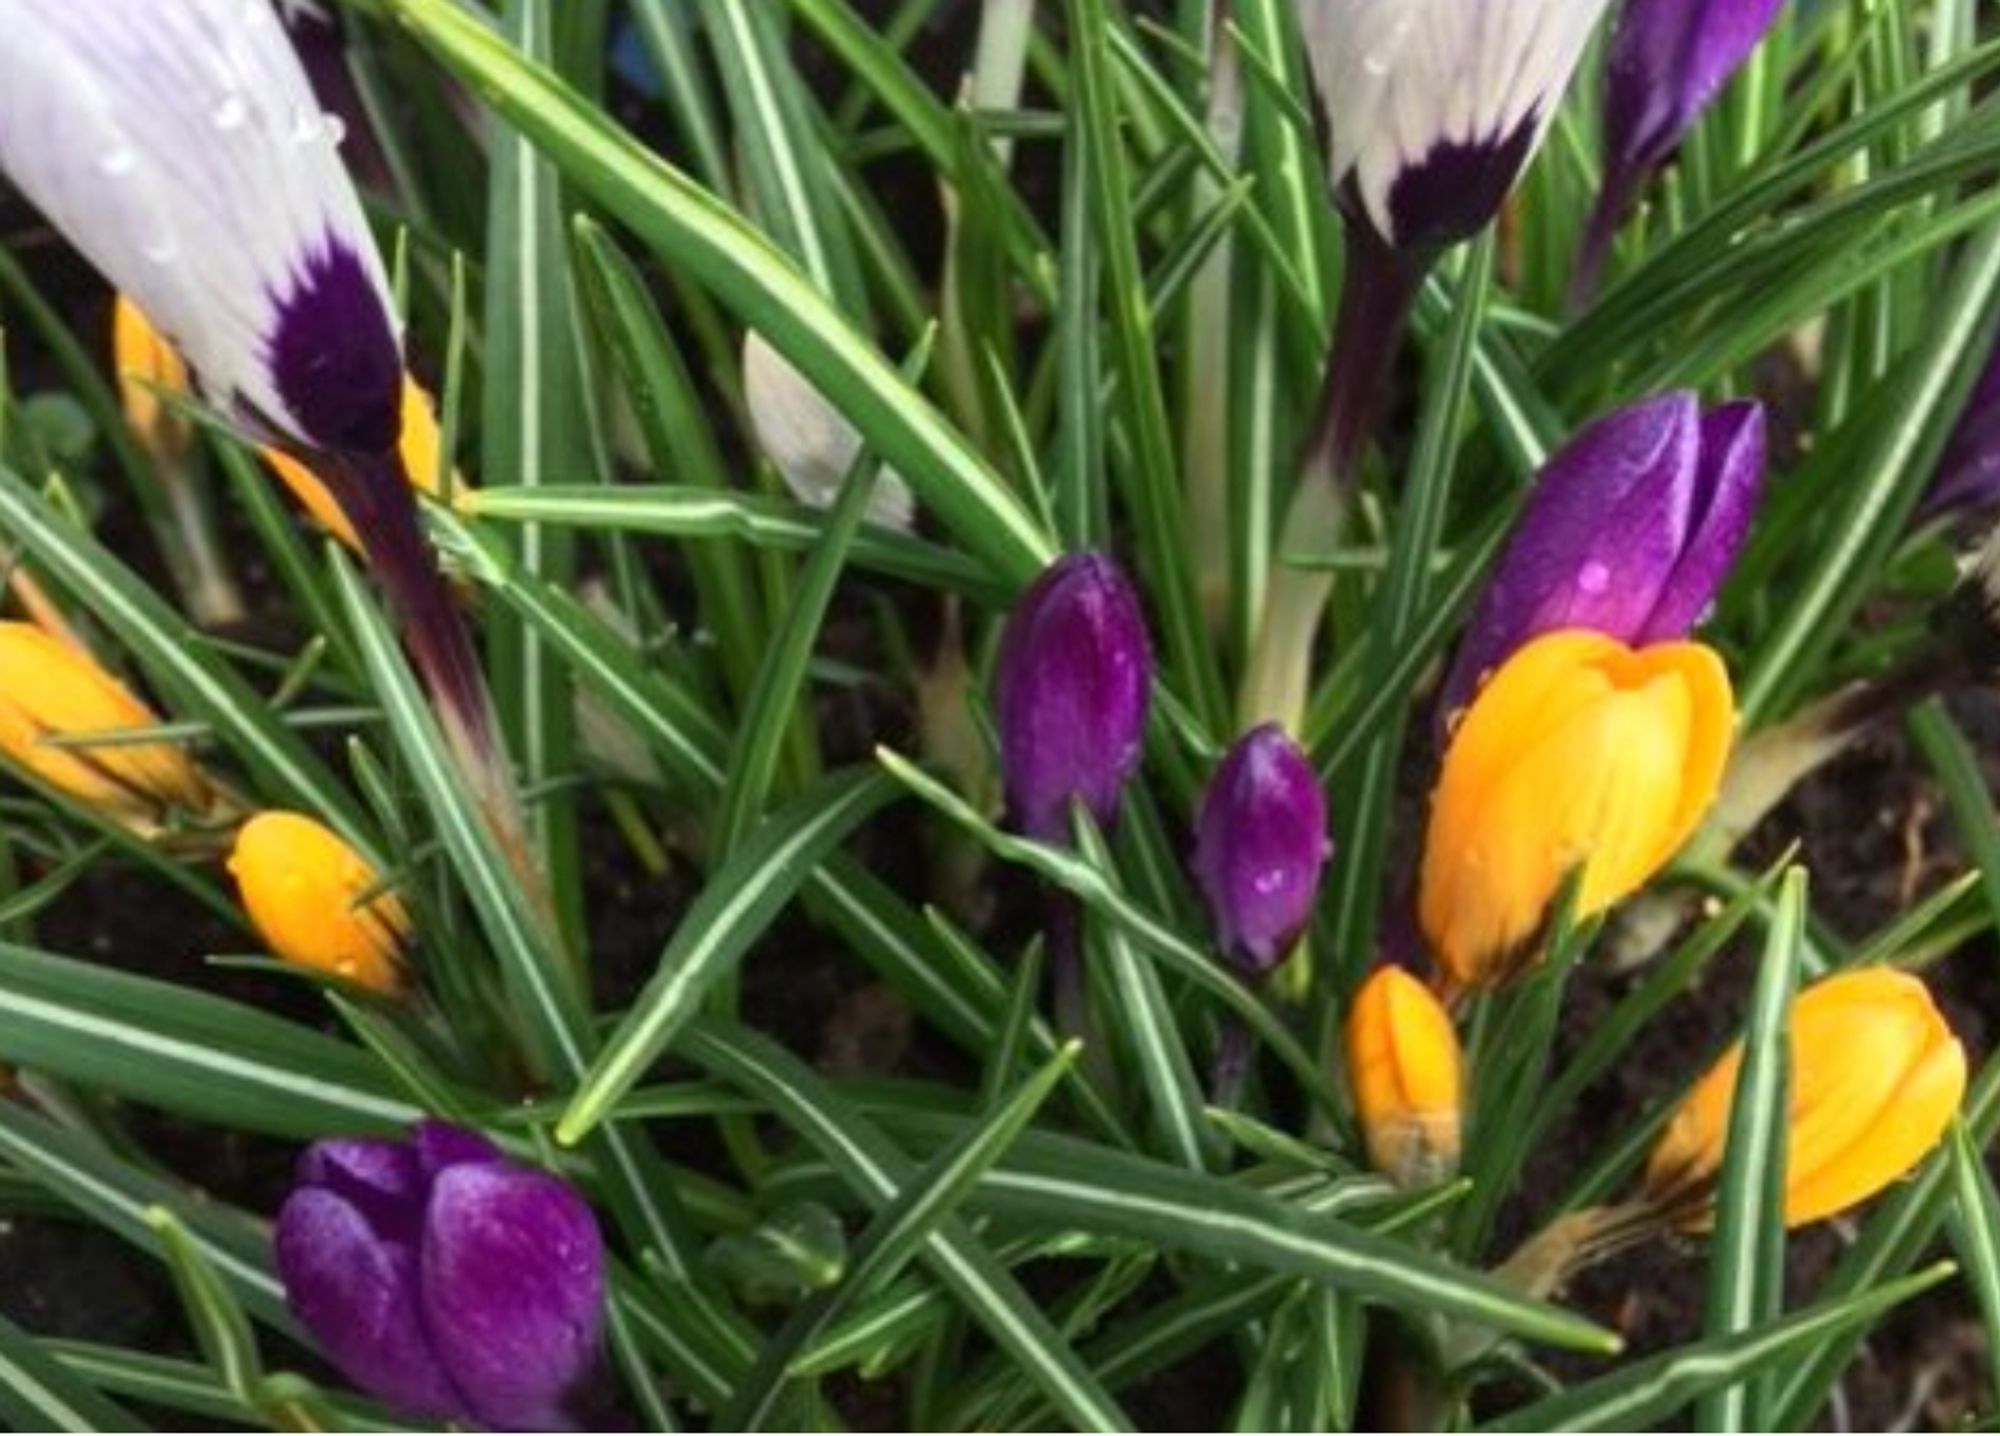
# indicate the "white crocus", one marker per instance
pixel 809 442
pixel 1434 107
pixel 177 144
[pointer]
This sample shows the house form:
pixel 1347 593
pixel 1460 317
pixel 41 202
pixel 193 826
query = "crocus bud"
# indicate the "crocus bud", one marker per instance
pixel 1875 1078
pixel 318 903
pixel 418 447
pixel 1434 110
pixel 1260 842
pixel 1630 531
pixel 1406 1074
pixel 1968 476
pixel 1580 754
pixel 49 689
pixel 147 368
pixel 809 442
pixel 1072 685
pixel 445 1279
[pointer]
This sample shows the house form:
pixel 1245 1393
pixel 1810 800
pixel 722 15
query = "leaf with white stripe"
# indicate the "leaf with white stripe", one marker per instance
pixel 39 1393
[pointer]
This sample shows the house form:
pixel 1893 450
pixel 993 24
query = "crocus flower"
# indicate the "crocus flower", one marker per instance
pixel 1630 531
pixel 49 689
pixel 1406 1074
pixel 1260 843
pixel 317 902
pixel 1666 63
pixel 181 150
pixel 1580 753
pixel 1071 692
pixel 148 371
pixel 446 1279
pixel 1434 107
pixel 1968 476
pixel 1875 1078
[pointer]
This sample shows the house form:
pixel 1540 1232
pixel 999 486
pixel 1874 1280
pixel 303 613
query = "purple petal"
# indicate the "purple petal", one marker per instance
pixel 380 1179
pixel 1667 61
pixel 357 1294
pixel 1596 542
pixel 1074 677
pixel 1729 486
pixel 1260 844
pixel 439 1145
pixel 1968 475
pixel 1454 191
pixel 333 355
pixel 512 1291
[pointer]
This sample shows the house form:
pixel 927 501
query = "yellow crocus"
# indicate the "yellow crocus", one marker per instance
pixel 419 444
pixel 147 368
pixel 1580 754
pixel 49 689
pixel 318 903
pixel 1407 1077
pixel 1875 1078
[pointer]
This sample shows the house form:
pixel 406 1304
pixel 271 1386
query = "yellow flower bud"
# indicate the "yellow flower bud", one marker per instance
pixel 1875 1078
pixel 1580 753
pixel 1407 1077
pixel 318 903
pixel 419 445
pixel 146 366
pixel 49 690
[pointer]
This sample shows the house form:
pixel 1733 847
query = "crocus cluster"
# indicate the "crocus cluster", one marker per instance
pixel 445 1279
pixel 318 903
pixel 1875 1078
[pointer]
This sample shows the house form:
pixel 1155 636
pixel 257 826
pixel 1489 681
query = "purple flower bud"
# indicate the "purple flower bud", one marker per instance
pixel 1968 476
pixel 444 1278
pixel 1630 532
pixel 1259 845
pixel 1071 693
pixel 1666 63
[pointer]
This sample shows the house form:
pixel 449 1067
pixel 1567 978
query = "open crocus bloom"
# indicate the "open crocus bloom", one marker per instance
pixel 50 690
pixel 1875 1078
pixel 1434 107
pixel 317 902
pixel 1406 1073
pixel 1581 755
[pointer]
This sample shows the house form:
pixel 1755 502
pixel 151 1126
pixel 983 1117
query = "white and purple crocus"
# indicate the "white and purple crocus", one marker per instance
pixel 446 1280
pixel 179 147
pixel 1630 531
pixel 1666 63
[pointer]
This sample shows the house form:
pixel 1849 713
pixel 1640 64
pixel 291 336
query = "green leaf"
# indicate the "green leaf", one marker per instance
pixel 39 1393
pixel 1976 1229
pixel 739 902
pixel 221 1329
pixel 1746 1270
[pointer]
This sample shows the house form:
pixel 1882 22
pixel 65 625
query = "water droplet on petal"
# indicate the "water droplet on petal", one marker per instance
pixel 120 161
pixel 1594 577
pixel 335 129
pixel 1266 881
pixel 162 251
pixel 231 113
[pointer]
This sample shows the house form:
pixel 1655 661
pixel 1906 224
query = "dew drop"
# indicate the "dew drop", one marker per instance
pixel 231 113
pixel 334 128
pixel 121 161
pixel 1594 577
pixel 162 251
pixel 1266 881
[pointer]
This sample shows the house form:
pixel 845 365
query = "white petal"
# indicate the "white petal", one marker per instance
pixel 177 144
pixel 809 441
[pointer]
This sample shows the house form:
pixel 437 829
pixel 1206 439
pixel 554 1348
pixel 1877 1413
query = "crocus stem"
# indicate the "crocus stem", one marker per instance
pixel 1614 202
pixel 1232 1064
pixel 1375 301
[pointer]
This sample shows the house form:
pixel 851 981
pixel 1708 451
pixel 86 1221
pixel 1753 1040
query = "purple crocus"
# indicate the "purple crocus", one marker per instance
pixel 1666 63
pixel 1630 531
pixel 445 1279
pixel 1968 476
pixel 1260 844
pixel 180 148
pixel 1072 686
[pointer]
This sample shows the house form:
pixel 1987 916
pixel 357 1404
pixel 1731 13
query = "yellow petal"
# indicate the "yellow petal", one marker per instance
pixel 1406 1073
pixel 147 366
pixel 317 902
pixel 419 448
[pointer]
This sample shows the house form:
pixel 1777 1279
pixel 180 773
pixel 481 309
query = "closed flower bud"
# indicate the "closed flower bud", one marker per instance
pixel 445 1279
pixel 1629 532
pixel 1072 687
pixel 1580 755
pixel 1434 109
pixel 49 690
pixel 318 903
pixel 148 371
pixel 1875 1078
pixel 1407 1077
pixel 1260 842
pixel 419 450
